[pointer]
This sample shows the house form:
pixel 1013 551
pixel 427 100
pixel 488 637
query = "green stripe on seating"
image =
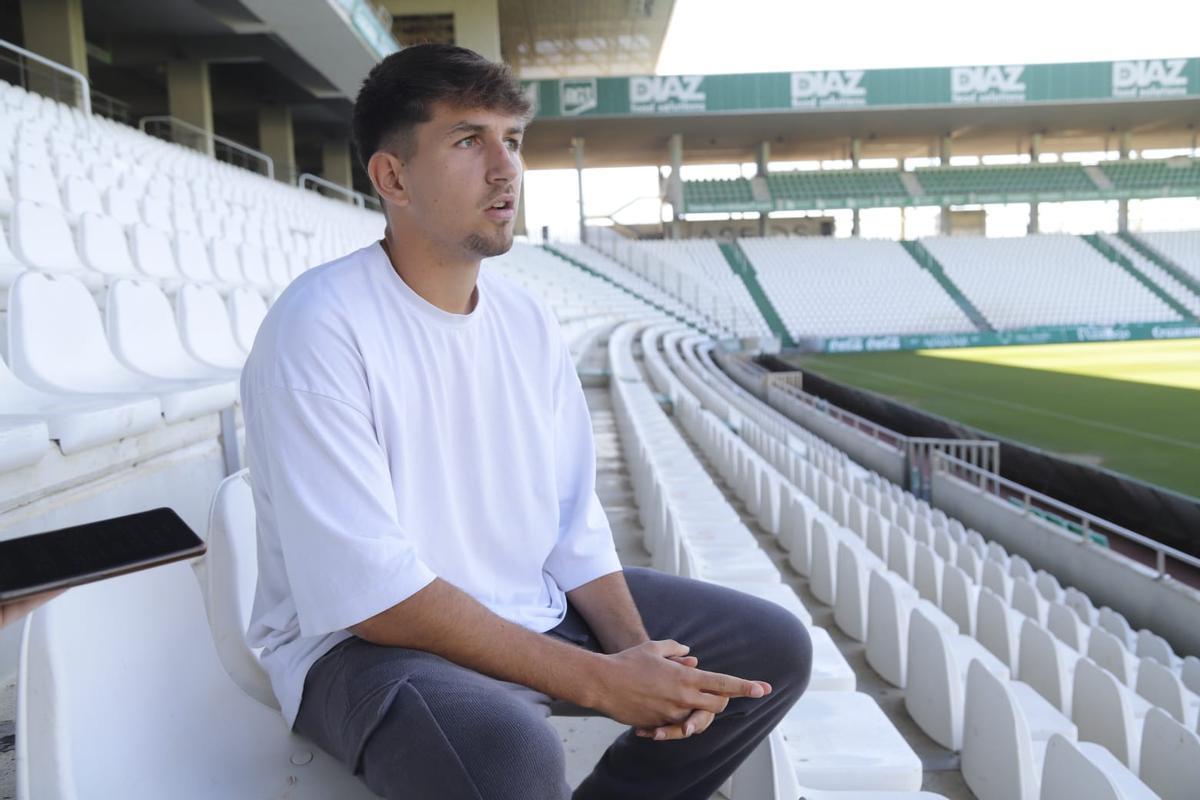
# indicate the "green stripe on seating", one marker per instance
pixel 1108 251
pixel 1170 267
pixel 741 266
pixel 931 265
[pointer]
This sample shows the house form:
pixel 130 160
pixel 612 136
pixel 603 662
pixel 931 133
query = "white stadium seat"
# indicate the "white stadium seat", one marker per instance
pixel 57 344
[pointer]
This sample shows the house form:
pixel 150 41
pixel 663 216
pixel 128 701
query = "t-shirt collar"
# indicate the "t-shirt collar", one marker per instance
pixel 422 306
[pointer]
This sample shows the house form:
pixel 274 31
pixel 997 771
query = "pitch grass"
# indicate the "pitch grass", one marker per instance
pixel 1131 407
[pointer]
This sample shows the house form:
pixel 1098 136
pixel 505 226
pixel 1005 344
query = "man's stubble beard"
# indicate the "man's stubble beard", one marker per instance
pixel 489 246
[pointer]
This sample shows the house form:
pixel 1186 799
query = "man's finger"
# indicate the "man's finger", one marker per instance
pixel 698 722
pixel 687 661
pixel 730 686
pixel 670 648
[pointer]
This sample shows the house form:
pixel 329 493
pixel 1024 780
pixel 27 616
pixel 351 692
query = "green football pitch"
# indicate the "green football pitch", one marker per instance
pixel 1132 407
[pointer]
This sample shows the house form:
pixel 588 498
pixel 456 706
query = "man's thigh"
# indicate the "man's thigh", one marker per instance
pixel 415 725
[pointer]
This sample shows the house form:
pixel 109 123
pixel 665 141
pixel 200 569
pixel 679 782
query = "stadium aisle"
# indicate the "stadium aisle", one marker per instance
pixel 585 738
pixel 941 766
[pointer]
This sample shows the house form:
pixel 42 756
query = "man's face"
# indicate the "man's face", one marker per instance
pixel 464 179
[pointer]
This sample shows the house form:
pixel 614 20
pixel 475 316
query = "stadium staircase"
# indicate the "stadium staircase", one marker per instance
pixel 596 273
pixel 1102 181
pixel 931 265
pixel 1152 254
pixel 1109 252
pixel 741 266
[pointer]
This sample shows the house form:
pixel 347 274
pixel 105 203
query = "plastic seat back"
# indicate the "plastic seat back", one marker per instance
pixel 42 240
pixel 1170 763
pixel 246 309
pixel 103 246
pixel 228 574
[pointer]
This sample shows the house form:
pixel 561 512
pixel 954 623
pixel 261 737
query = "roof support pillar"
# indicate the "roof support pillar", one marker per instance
pixel 1035 154
pixel 675 184
pixel 944 149
pixel 577 149
pixel 54 29
pixel 1123 204
pixel 762 160
pixel 277 139
pixel 335 162
pixel 855 155
pixel 189 98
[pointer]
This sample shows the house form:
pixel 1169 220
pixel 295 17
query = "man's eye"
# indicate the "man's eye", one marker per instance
pixel 470 139
pixel 514 144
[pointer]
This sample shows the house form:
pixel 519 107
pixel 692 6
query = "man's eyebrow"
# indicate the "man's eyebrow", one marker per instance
pixel 474 127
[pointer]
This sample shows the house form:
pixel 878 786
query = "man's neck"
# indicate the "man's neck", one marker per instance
pixel 446 283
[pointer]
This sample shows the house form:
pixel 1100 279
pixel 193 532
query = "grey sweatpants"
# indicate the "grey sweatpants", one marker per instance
pixel 414 725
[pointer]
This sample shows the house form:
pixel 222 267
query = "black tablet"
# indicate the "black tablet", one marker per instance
pixel 84 553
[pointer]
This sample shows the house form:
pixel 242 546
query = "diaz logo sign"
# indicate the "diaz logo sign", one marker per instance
pixel 576 96
pixel 1156 77
pixel 992 84
pixel 830 88
pixel 660 94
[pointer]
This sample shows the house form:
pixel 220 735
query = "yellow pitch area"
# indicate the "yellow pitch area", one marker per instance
pixel 1162 363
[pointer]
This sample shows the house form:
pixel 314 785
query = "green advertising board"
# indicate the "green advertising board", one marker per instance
pixel 1065 334
pixel 831 90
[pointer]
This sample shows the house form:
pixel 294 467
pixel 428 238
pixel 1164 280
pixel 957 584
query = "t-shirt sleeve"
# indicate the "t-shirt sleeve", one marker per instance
pixel 327 476
pixel 585 549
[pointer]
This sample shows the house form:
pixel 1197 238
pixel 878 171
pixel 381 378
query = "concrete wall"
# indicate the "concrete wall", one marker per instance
pixel 1166 607
pixel 476 22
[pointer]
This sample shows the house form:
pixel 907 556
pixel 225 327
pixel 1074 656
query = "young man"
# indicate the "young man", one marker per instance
pixel 435 569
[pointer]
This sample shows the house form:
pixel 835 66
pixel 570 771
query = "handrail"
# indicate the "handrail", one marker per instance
pixel 358 198
pixel 230 143
pixel 86 94
pixel 992 483
pixel 849 418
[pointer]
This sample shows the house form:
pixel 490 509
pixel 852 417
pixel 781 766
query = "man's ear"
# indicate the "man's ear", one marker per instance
pixel 386 172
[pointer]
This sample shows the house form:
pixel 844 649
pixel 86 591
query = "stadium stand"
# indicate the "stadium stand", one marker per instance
pixel 1169 283
pixel 842 287
pixel 946 185
pixel 1051 279
pixel 1180 247
pixel 818 188
pixel 999 181
pixel 1164 176
pixel 703 260
pixel 733 194
pixel 138 274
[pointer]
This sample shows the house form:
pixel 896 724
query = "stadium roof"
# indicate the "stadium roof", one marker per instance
pixel 896 113
pixel 543 39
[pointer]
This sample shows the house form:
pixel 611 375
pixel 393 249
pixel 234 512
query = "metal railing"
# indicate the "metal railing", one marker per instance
pixel 718 308
pixel 357 198
pixel 1033 501
pixel 105 105
pixel 919 454
pixel 178 131
pixel 51 69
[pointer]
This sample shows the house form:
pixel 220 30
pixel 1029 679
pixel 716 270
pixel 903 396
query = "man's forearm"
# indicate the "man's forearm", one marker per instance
pixel 444 620
pixel 608 608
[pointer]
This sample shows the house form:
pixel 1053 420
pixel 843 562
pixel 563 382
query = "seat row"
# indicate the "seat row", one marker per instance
pixel 919 616
pixel 690 529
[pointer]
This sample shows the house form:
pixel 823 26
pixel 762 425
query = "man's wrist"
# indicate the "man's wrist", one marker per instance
pixel 593 680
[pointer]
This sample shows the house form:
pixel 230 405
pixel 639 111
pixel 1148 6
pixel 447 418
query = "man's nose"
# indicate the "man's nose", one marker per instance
pixel 504 165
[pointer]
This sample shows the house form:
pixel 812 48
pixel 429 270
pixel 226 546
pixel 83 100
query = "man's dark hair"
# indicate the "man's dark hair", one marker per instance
pixel 400 91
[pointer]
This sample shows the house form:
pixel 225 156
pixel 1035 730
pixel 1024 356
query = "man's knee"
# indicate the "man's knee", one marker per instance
pixel 785 649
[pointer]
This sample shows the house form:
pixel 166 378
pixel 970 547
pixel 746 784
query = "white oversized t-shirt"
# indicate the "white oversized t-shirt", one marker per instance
pixel 390 442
